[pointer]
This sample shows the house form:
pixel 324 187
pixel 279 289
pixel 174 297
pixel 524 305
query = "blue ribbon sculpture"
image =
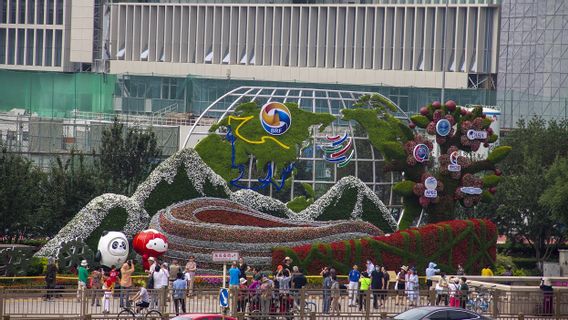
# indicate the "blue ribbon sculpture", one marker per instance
pixel 264 182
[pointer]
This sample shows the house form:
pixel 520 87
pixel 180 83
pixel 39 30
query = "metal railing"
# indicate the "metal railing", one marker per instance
pixel 254 304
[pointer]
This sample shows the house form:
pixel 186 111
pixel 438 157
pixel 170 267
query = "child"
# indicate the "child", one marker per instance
pixel 107 295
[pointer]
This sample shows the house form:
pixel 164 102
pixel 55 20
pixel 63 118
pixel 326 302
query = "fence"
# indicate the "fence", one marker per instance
pixel 304 304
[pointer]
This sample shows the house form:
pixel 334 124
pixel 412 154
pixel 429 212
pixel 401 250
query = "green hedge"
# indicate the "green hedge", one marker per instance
pixel 115 220
pixel 165 194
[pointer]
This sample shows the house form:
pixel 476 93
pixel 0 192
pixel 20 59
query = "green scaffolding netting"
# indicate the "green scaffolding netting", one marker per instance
pixel 54 94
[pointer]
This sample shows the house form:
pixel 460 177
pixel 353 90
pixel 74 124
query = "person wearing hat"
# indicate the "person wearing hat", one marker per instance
pixel 243 295
pixel 400 284
pixel 288 264
pixel 153 264
pixel 266 295
pixel 83 274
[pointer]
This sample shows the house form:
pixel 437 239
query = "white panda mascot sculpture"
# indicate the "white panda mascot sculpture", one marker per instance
pixel 113 249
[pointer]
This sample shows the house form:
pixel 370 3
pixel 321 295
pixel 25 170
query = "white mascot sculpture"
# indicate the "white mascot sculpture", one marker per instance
pixel 112 249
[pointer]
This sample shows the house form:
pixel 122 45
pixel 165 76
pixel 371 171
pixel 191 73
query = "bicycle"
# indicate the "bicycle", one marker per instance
pixel 480 303
pixel 129 313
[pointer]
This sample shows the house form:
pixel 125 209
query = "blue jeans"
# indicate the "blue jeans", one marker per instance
pixel 326 302
pixel 124 294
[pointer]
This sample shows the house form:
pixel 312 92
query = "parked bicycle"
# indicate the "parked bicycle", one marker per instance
pixel 143 313
pixel 479 301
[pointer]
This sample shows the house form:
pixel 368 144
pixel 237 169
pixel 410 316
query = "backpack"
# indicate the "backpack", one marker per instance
pixel 150 283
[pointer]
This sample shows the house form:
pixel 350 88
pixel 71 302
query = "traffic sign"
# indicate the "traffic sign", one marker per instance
pixel 224 298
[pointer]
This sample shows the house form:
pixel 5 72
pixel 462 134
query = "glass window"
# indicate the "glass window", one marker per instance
pixel 40 11
pixel 412 314
pixel 59 18
pixel 21 46
pixel 2 46
pixel 31 11
pixel 169 88
pixel 39 47
pixel 30 48
pixel 440 315
pixel 3 11
pixel 48 47
pixel 13 6
pixel 58 47
pixel 460 315
pixel 22 12
pixel 50 8
pixel 11 46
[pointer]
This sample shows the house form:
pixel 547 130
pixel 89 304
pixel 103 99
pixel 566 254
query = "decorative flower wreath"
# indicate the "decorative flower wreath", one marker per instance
pixel 446 159
pixel 411 145
pixel 475 124
pixel 469 181
pixel 420 188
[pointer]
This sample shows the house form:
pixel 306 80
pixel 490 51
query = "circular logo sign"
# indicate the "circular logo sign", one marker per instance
pixel 275 118
pixel 454 166
pixel 431 183
pixel 443 127
pixel 421 152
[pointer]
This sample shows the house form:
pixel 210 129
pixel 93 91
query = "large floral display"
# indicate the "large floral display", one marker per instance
pixel 471 243
pixel 197 226
pixel 198 200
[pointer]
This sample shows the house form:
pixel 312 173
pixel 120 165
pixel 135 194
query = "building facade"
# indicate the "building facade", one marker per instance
pixel 533 60
pixel 407 45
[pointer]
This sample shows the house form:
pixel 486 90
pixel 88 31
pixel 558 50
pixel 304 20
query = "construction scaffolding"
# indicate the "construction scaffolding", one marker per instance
pixel 533 60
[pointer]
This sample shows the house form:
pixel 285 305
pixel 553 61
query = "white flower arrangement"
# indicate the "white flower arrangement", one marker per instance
pixel 197 173
pixel 334 194
pixel 91 216
pixel 260 202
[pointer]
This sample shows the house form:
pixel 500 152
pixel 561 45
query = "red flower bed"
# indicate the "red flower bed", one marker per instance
pixel 471 243
pixel 237 219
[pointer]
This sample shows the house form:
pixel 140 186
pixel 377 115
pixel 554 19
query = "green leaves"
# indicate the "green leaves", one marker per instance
pixel 420 120
pixel 127 156
pixel 404 188
pixel 555 196
pixel 490 180
pixel 499 154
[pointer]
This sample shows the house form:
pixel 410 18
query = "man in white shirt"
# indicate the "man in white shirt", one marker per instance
pixel 160 281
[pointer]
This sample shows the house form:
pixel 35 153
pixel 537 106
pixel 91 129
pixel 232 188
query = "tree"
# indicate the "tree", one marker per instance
pixel 527 203
pixel 555 196
pixel 71 184
pixel 20 194
pixel 433 184
pixel 127 156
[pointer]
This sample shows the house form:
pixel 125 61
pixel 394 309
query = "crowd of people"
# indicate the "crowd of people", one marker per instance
pixel 266 292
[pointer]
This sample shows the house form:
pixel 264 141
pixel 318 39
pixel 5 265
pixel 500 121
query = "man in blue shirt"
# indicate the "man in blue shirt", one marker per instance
pixel 179 291
pixel 354 276
pixel 234 275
